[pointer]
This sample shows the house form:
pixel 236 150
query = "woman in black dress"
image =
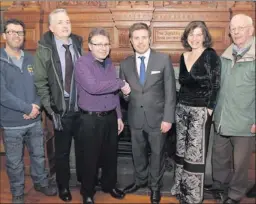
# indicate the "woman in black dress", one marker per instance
pixel 199 78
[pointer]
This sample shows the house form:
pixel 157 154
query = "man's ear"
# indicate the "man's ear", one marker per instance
pixel 251 30
pixel 51 28
pixel 131 41
pixel 90 46
pixel 4 36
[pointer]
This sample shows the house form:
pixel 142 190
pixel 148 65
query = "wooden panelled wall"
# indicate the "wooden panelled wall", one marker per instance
pixel 167 20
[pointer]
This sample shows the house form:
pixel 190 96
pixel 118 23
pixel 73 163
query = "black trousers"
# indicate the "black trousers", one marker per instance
pixel 63 139
pixel 98 140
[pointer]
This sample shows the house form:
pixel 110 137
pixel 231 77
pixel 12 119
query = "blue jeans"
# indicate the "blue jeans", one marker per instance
pixel 14 139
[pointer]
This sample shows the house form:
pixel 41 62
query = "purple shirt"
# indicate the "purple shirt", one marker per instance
pixel 97 87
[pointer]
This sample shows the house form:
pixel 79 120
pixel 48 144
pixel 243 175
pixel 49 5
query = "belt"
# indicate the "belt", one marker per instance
pixel 97 113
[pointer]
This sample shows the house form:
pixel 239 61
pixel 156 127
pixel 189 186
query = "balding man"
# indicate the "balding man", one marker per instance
pixel 235 112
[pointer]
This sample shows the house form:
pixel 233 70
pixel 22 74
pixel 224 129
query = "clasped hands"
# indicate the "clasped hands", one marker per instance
pixel 34 112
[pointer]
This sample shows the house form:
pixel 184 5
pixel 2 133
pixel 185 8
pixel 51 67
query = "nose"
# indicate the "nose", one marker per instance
pixel 104 47
pixel 236 30
pixel 140 40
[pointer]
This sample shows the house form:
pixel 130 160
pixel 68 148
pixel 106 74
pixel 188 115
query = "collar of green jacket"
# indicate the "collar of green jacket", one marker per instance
pixel 48 40
pixel 248 56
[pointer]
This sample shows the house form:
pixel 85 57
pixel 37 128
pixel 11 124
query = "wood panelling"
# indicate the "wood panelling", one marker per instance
pixel 167 20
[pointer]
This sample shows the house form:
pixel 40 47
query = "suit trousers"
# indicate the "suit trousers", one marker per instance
pixel 98 140
pixel 63 139
pixel 148 169
pixel 235 149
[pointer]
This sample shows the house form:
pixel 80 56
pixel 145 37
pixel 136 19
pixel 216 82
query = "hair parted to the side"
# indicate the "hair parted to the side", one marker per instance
pixel 139 26
pixel 192 26
pixel 97 31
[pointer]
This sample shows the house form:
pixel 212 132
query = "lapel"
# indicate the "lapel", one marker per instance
pixel 150 66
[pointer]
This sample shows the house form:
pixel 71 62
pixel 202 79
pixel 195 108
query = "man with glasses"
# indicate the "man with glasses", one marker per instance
pixel 234 114
pixel 101 121
pixel 56 54
pixel 20 114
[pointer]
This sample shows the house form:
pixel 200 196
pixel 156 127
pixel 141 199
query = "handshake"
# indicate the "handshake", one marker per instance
pixel 126 89
pixel 34 112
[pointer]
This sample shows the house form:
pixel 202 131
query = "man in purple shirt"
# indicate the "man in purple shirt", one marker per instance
pixel 98 99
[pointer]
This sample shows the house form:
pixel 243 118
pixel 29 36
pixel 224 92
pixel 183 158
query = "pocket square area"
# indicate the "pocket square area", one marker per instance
pixel 155 72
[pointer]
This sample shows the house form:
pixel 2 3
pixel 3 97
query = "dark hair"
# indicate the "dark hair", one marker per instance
pixel 139 26
pixel 97 31
pixel 15 22
pixel 192 26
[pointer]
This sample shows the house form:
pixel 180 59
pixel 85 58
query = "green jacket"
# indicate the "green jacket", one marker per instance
pixel 235 110
pixel 48 74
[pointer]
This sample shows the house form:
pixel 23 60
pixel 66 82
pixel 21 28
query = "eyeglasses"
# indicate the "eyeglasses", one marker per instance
pixel 239 29
pixel 101 45
pixel 13 32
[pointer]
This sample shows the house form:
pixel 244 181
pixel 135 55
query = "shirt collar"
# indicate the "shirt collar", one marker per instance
pixel 59 43
pixel 244 49
pixel 146 54
pixel 13 57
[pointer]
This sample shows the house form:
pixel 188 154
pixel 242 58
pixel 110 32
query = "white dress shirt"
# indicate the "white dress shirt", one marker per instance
pixel 138 60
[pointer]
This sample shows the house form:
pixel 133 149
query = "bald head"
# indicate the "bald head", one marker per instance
pixel 246 20
pixel 241 29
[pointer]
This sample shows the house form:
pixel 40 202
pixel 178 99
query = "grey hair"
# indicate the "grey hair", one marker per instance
pixel 59 10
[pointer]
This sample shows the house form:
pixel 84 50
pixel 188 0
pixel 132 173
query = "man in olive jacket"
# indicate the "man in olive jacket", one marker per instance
pixel 56 53
pixel 235 111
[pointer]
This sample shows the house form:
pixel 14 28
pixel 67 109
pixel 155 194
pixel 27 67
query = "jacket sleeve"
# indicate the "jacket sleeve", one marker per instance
pixel 41 80
pixel 37 100
pixel 87 80
pixel 215 70
pixel 170 92
pixel 8 100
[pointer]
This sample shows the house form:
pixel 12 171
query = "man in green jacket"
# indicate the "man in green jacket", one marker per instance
pixel 55 57
pixel 234 114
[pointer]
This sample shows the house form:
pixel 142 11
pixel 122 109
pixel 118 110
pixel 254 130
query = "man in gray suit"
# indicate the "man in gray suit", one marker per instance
pixel 152 99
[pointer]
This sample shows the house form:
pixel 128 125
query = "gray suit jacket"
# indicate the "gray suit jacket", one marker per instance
pixel 156 99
